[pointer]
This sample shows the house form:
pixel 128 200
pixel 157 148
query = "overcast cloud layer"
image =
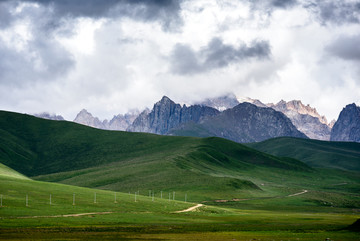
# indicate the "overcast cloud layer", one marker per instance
pixel 116 55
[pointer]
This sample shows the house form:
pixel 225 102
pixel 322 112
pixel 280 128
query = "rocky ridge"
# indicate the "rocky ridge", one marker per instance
pixel 119 122
pixel 305 118
pixel 166 115
pixel 299 107
pixel 347 127
pixel 48 116
pixel 243 123
pixel 221 103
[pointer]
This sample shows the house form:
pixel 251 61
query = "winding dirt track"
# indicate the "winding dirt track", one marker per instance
pixel 247 199
pixel 190 209
pixel 299 193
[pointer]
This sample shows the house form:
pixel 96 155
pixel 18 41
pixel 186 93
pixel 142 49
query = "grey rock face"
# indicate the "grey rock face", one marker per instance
pixel 122 122
pixel 252 101
pixel 167 115
pixel 332 123
pixel 299 107
pixel 305 118
pixel 311 126
pixel 221 103
pixel 49 116
pixel 246 123
pixel 85 118
pixel 347 127
pixel 118 122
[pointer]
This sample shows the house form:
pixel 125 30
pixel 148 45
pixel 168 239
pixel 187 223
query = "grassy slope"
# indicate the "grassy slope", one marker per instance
pixel 325 154
pixel 35 146
pixel 149 220
pixel 74 154
pixel 8 172
pixel 206 169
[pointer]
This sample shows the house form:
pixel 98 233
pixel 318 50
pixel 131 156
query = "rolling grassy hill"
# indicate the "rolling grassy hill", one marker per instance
pixel 204 168
pixel 251 194
pixel 324 154
pixel 36 146
pixel 66 152
pixel 149 219
pixel 8 172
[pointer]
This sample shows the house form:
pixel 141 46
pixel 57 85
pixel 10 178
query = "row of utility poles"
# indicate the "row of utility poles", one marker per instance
pixel 136 195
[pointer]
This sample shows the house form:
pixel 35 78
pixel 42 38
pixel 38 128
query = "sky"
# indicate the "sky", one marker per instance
pixel 113 56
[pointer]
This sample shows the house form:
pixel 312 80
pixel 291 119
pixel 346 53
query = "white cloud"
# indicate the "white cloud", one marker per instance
pixel 110 63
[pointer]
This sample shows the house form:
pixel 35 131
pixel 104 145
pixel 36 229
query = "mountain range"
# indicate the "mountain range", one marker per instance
pixel 243 123
pixel 119 122
pixel 48 116
pixel 169 118
pixel 167 115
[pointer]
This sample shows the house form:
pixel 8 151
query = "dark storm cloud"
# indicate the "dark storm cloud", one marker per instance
pixel 5 15
pixel 47 62
pixel 325 11
pixel 165 11
pixel 335 12
pixel 346 47
pixel 184 60
pixel 269 6
pixel 283 3
pixel 39 57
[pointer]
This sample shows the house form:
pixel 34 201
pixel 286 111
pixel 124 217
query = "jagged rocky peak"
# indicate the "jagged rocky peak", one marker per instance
pixel 331 124
pixel 243 123
pixel 251 101
pixel 165 101
pixel 221 103
pixel 119 122
pixel 299 107
pixel 122 122
pixel 166 114
pixel 86 118
pixel 347 127
pixel 48 116
pixel 83 114
pixel 305 118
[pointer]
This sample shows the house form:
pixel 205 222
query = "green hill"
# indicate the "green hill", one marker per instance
pixel 325 154
pixel 8 172
pixel 34 210
pixel 204 168
pixel 36 146
pixel 74 154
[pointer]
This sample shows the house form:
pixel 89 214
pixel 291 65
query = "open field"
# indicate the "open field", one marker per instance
pixel 276 218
